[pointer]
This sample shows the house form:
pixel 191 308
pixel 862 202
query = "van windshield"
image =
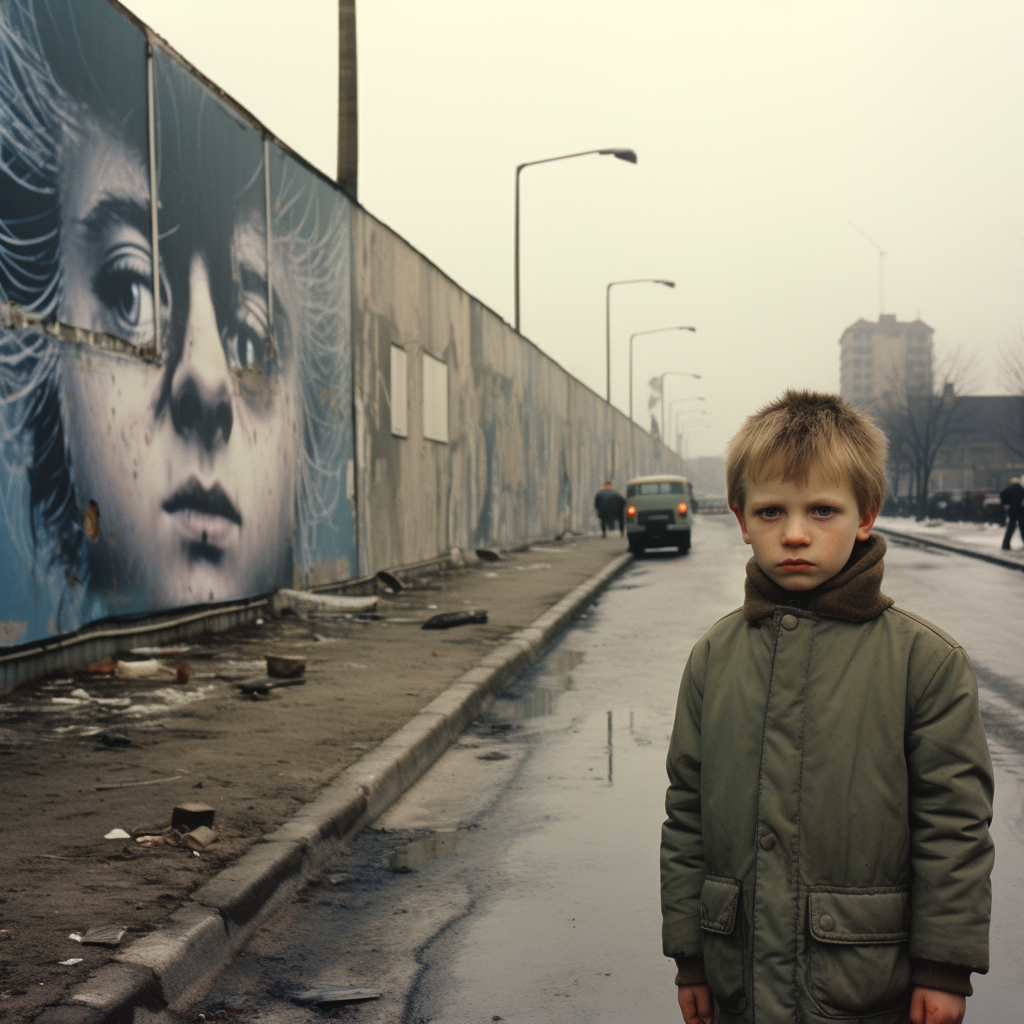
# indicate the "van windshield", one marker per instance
pixel 657 487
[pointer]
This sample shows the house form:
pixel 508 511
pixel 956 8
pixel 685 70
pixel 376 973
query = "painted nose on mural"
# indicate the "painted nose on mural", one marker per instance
pixel 201 395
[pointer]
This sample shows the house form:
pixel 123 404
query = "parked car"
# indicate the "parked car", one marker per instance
pixel 658 513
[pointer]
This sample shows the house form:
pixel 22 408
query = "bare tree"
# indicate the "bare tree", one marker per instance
pixel 1011 363
pixel 919 422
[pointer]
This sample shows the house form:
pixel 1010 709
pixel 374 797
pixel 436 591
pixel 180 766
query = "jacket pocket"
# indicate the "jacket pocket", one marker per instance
pixel 723 941
pixel 859 964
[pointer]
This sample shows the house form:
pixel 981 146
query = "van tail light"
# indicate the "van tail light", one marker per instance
pixel 631 511
pixel 682 508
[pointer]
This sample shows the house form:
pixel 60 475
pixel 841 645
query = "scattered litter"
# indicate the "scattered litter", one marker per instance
pixel 103 667
pixel 71 963
pixel 391 582
pixel 80 694
pixel 186 817
pixel 145 782
pixel 138 669
pixel 448 619
pixel 164 837
pixel 104 935
pixel 334 994
pixel 117 833
pixel 158 652
pixel 110 738
pixel 183 672
pixel 488 555
pixel 336 879
pixel 259 622
pixel 264 686
pixel 431 607
pixel 199 838
pixel 493 755
pixel 304 603
pixel 75 936
pixel 283 666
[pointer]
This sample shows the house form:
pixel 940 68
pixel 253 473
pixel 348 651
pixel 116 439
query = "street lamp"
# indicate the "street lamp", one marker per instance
pixel 608 325
pixel 680 421
pixel 620 154
pixel 671 373
pixel 677 401
pixel 657 330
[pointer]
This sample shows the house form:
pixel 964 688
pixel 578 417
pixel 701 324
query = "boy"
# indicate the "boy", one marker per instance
pixel 826 853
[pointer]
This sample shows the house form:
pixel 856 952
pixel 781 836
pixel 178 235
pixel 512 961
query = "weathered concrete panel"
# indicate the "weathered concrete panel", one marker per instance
pixel 529 444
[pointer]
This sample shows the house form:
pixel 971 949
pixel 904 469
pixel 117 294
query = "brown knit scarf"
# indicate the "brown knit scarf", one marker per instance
pixel 853 595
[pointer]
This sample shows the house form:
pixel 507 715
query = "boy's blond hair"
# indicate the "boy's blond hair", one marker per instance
pixel 804 430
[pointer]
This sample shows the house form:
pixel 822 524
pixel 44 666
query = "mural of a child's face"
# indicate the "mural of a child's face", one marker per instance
pixel 190 460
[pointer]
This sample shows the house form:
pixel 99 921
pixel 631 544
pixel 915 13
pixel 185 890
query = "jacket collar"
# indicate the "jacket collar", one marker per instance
pixel 853 595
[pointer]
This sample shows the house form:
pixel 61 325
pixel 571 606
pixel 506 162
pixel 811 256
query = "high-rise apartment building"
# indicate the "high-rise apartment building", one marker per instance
pixel 878 357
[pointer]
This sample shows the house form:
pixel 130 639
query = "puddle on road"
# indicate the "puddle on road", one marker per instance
pixel 432 847
pixel 536 693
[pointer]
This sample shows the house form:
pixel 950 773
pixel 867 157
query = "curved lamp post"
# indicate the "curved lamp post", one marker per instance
pixel 657 330
pixel 620 154
pixel 678 401
pixel 608 325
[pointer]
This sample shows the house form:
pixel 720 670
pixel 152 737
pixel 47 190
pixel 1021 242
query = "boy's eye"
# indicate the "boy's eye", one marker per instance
pixel 824 511
pixel 770 513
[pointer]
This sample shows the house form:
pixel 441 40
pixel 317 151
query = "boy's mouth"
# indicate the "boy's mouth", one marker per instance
pixel 796 563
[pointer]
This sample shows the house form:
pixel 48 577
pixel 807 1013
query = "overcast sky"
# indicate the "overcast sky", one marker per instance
pixel 765 130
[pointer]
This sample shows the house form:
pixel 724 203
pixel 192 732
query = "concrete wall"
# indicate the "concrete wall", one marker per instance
pixel 528 444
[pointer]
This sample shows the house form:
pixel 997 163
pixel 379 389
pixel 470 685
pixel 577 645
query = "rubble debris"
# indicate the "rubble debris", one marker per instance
pixel 103 667
pixel 448 619
pixel 143 782
pixel 327 994
pixel 71 963
pixel 183 672
pixel 111 738
pixel 189 816
pixel 138 669
pixel 199 838
pixel 117 833
pixel 104 935
pixel 393 583
pixel 488 555
pixel 302 602
pixel 262 687
pixel 283 666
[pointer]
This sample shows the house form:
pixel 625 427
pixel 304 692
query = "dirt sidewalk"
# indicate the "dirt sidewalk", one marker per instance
pixel 254 759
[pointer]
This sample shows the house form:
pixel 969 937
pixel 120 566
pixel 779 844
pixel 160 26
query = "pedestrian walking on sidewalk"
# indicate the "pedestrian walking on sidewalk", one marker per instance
pixel 609 505
pixel 1012 499
pixel 827 852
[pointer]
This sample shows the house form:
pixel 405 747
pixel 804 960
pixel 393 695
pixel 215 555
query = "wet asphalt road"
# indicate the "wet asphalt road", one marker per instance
pixel 518 881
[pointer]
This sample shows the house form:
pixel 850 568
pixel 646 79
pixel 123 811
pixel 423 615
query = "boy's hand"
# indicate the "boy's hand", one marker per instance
pixel 695 1002
pixel 932 1006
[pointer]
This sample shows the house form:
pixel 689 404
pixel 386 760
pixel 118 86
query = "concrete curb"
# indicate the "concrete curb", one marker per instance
pixel 959 549
pixel 169 967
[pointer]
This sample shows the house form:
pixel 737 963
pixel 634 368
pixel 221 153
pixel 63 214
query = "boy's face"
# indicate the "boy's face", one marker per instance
pixel 802 534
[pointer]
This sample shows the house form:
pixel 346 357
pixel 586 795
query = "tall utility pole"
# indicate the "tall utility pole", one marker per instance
pixel 881 267
pixel 348 123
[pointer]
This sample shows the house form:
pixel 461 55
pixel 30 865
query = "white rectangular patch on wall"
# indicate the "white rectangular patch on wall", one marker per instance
pixel 399 392
pixel 435 399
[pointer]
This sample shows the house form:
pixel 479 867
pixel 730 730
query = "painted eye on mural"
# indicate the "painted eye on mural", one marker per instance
pixel 247 345
pixel 123 284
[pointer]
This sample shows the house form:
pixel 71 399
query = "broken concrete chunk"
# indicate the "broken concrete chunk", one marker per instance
pixel 104 935
pixel 138 669
pixel 448 619
pixel 117 833
pixel 283 666
pixel 186 817
pixel 393 583
pixel 199 838
pixel 302 602
pixel 334 994
pixel 71 963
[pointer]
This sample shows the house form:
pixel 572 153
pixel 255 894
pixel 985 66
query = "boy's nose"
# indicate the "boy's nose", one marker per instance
pixel 200 388
pixel 795 532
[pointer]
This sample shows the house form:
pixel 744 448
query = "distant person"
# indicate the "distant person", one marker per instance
pixel 1012 499
pixel 610 505
pixel 827 852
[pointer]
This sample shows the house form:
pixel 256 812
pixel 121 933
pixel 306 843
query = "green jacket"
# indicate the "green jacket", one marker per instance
pixel 827 840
